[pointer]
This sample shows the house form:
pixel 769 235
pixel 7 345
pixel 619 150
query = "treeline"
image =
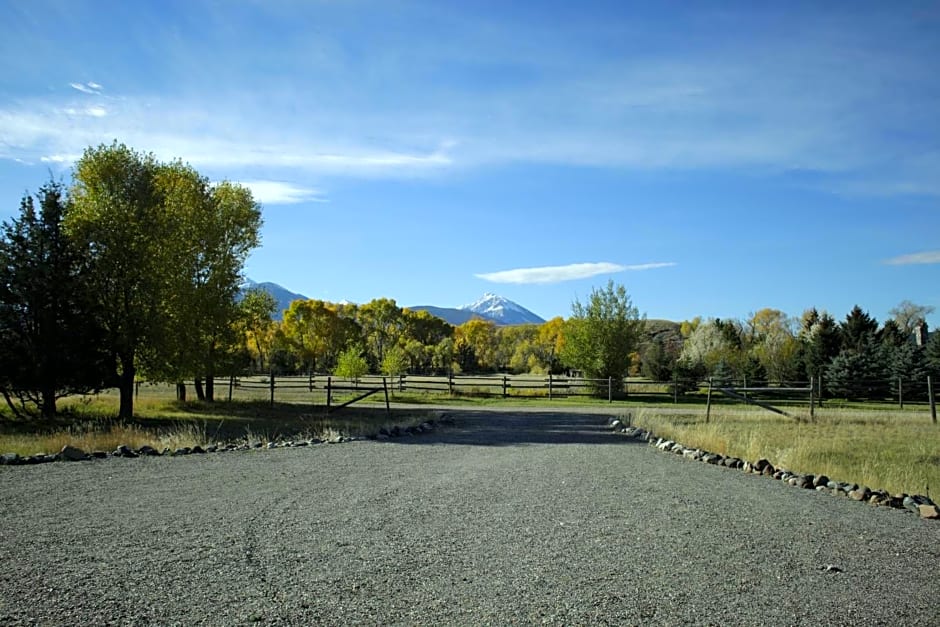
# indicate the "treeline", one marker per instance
pixel 347 340
pixel 131 272
pixel 857 357
pixel 381 337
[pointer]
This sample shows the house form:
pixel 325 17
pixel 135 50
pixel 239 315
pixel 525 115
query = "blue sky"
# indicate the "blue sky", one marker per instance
pixel 715 158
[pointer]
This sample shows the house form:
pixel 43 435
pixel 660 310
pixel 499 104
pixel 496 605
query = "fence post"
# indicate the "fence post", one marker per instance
pixel 388 408
pixel 708 401
pixel 812 401
pixel 329 392
pixel 610 389
pixel 900 393
pixel 675 388
pixel 504 386
pixel 450 382
pixel 272 387
pixel 310 380
pixel 820 391
pixel 401 383
pixel 746 401
pixel 933 404
pixel 549 385
pixel 231 384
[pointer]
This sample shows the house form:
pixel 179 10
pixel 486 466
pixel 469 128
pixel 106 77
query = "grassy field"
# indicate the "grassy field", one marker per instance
pixel 898 451
pixel 89 423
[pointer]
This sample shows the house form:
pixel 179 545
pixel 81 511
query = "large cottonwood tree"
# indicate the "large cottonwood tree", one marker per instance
pixel 167 250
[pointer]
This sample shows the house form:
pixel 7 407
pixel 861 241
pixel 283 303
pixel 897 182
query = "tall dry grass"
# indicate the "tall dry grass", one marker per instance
pixel 96 437
pixel 898 451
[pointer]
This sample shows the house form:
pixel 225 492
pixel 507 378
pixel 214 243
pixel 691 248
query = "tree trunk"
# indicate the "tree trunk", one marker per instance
pixel 126 387
pixel 210 388
pixel 181 391
pixel 48 403
pixel 13 408
pixel 200 394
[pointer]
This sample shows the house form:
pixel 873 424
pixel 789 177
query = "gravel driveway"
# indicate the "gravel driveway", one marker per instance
pixel 500 519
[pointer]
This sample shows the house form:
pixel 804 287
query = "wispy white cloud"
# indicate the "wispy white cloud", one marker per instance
pixel 188 131
pixel 95 112
pixel 650 266
pixel 928 257
pixel 281 193
pixel 558 274
pixel 87 88
pixel 63 159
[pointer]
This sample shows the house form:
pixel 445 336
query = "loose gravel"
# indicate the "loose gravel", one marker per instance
pixel 528 518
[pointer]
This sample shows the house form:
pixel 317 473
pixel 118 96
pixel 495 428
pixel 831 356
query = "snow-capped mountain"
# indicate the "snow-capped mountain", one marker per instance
pixel 502 310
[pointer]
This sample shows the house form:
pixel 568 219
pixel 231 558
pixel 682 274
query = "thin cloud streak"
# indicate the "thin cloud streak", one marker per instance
pixel 650 266
pixel 556 274
pixel 87 88
pixel 281 193
pixel 928 257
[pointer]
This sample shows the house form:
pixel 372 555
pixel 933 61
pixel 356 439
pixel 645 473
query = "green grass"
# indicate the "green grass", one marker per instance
pixel 898 451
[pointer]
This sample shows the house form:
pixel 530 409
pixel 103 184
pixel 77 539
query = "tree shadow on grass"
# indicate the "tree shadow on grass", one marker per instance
pixel 224 420
pixel 228 421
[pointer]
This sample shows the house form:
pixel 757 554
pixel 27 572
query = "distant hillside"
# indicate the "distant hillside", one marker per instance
pixel 282 295
pixel 496 309
pixel 657 327
pixel 451 315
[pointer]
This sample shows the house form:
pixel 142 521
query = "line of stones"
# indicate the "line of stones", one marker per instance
pixel 917 503
pixel 74 454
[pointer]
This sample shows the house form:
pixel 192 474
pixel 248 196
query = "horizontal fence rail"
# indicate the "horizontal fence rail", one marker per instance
pixel 329 390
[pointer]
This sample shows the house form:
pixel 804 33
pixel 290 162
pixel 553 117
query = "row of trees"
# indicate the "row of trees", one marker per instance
pixel 857 356
pixel 605 336
pixel 600 338
pixel 132 271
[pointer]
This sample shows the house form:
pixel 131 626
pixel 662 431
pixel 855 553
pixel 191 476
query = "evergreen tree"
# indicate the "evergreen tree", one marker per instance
pixel 906 365
pixel 823 341
pixel 51 342
pixel 932 356
pixel 857 374
pixel 657 363
pixel 893 335
pixel 858 329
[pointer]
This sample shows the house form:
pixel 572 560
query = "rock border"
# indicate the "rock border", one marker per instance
pixel 74 454
pixel 919 504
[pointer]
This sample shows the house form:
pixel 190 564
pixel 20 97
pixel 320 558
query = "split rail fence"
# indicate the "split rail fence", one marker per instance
pixel 335 392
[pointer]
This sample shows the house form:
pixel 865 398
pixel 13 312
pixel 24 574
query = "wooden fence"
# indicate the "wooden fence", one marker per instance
pixel 332 391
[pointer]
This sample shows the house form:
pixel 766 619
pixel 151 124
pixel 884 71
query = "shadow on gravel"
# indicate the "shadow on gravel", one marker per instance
pixel 504 429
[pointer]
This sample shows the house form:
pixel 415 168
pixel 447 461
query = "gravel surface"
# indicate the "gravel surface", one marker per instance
pixel 500 519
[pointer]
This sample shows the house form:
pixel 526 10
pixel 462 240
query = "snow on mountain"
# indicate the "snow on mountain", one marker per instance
pixel 502 310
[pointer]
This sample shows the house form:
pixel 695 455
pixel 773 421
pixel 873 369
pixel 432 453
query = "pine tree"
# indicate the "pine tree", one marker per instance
pixel 858 329
pixel 51 340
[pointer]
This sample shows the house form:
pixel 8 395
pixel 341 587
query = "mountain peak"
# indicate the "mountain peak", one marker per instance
pixel 502 310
